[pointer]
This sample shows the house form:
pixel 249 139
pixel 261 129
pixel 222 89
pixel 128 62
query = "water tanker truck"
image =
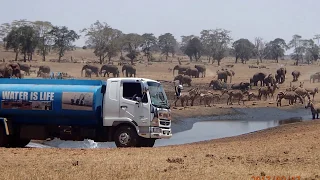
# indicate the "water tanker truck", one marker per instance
pixel 132 112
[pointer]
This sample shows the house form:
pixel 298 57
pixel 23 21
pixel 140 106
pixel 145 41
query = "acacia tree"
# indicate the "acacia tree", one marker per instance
pixel 149 40
pixel 132 42
pixel 193 49
pixel 13 41
pixel 167 44
pixel 63 39
pixel 243 49
pixel 6 28
pixel 298 49
pixel 103 39
pixel 259 48
pixel 28 41
pixel 42 29
pixel 275 49
pixel 216 42
pixel 22 39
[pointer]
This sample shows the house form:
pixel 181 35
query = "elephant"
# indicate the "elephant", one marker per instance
pixel 281 72
pixel 315 76
pixel 202 69
pixel 93 68
pixel 183 79
pixel 44 69
pixel 216 84
pixel 180 68
pixel 130 70
pixel 223 75
pixel 296 74
pixel 269 80
pixel 10 70
pixel 6 71
pixel 258 77
pixel 279 78
pixel 241 86
pixel 192 72
pixel 25 68
pixel 109 68
pixel 88 73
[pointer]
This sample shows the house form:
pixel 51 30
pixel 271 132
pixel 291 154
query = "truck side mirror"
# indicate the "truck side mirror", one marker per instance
pixel 138 99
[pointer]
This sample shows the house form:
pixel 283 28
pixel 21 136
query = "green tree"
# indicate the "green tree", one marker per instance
pixel 167 44
pixel 149 40
pixel 63 39
pixel 243 49
pixel 45 39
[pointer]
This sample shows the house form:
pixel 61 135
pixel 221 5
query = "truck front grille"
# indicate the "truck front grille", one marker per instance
pixel 164 122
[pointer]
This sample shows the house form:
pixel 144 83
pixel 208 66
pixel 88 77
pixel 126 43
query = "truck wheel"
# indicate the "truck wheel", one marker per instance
pixel 3 137
pixel 126 136
pixel 146 142
pixel 18 143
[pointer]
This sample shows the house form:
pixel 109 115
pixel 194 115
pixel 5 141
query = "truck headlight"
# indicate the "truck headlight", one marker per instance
pixel 156 130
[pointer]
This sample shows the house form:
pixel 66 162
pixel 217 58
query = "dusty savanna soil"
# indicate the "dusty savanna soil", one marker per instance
pixel 286 150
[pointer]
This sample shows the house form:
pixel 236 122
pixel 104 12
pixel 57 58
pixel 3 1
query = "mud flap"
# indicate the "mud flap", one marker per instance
pixel 6 125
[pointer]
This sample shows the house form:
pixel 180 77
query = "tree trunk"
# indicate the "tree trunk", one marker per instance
pixel 24 57
pixel 109 58
pixel 100 59
pixel 59 58
pixel 131 61
pixel 43 56
pixel 277 60
pixel 31 56
pixel 17 53
pixel 219 60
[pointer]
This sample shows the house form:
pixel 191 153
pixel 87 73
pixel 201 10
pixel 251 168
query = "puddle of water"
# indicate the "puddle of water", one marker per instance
pixel 205 128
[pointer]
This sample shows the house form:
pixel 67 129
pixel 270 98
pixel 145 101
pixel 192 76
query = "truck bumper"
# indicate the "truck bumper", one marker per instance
pixel 157 133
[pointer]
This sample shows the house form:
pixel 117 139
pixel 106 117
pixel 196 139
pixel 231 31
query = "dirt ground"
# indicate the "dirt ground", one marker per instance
pixel 288 150
pixel 282 151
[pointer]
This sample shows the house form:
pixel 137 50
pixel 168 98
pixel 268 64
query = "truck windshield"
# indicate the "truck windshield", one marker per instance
pixel 157 94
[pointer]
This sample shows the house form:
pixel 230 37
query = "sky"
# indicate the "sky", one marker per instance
pixel 268 19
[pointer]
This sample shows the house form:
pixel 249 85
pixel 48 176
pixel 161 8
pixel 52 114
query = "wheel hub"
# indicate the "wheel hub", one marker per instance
pixel 124 138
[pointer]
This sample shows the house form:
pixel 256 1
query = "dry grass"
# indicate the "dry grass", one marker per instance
pixel 286 150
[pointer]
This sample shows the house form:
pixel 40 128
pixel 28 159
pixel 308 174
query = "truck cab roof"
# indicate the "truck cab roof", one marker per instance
pixel 131 78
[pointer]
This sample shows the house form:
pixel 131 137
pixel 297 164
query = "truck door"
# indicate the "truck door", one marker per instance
pixel 129 107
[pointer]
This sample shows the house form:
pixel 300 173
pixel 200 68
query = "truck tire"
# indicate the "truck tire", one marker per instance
pixel 126 136
pixel 3 137
pixel 146 142
pixel 17 142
